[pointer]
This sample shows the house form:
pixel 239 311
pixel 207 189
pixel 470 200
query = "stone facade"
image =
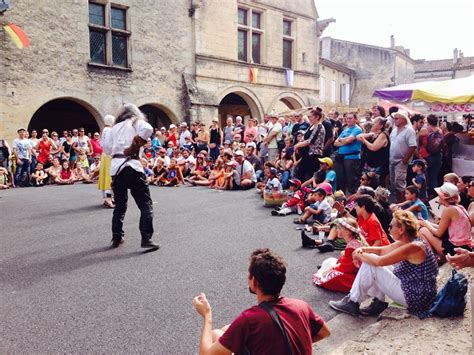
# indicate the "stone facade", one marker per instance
pixel 219 72
pixel 444 69
pixel 182 59
pixel 336 84
pixel 374 67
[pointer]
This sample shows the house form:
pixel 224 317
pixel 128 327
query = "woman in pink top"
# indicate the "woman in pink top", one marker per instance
pixel 96 146
pixel 454 228
pixel 251 129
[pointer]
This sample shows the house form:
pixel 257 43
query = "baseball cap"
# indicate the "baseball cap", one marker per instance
pixel 230 163
pixel 447 190
pixel 239 152
pixel 327 161
pixel 227 142
pixel 296 182
pixel 172 126
pixel 419 162
pixel 273 171
pixel 20 129
pixel 251 144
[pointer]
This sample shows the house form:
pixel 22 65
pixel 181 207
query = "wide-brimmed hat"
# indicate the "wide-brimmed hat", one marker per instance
pixel 402 114
pixel 447 190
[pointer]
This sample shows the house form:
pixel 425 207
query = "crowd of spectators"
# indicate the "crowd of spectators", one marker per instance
pixel 335 172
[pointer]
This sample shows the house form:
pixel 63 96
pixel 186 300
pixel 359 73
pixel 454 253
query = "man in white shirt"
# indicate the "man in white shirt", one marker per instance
pixel 23 151
pixel 274 135
pixel 184 132
pixel 130 132
pixel 246 173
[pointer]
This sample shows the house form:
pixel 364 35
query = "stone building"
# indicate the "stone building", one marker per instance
pixel 444 69
pixel 375 67
pixel 336 83
pixel 177 60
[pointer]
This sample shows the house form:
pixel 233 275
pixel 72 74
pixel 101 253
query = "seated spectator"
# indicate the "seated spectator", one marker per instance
pixel 273 184
pixel 4 179
pixel 159 173
pixel 250 149
pixel 173 176
pixel 66 177
pixel 454 228
pixel 319 209
pixel 169 150
pixel 419 181
pixel 370 179
pixel 188 144
pixel 382 196
pixel 452 178
pixel 404 271
pixel 369 223
pixel 162 155
pixel 82 159
pixel 216 178
pixel 339 274
pixel 80 174
pixel 148 152
pixel 236 143
pixel 95 168
pixel 284 166
pixel 463 191
pixel 254 331
pixel 38 176
pixel 230 175
pixel 54 171
pixel 198 169
pixel 463 258
pixel 326 165
pixel 245 171
pixel 296 202
pixel 412 203
pixel 146 168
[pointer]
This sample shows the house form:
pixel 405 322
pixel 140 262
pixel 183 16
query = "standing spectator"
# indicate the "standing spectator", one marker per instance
pixel 83 143
pixel 162 136
pixel 68 151
pixel 202 139
pixel 44 147
pixel 274 135
pixel 23 153
pixel 254 330
pixel 96 145
pixel 449 141
pixel 156 140
pixel 328 137
pixel 75 135
pixel 378 111
pixel 228 130
pixel 348 156
pixel 34 146
pixel 433 144
pixel 172 135
pixel 311 147
pixel 215 139
pixel 375 155
pixel 184 132
pixel 5 155
pixel 55 144
pixel 402 146
pixel 63 137
pixel 251 132
pixel 239 127
pixel 300 125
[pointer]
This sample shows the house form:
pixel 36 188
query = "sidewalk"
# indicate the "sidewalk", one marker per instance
pixel 398 332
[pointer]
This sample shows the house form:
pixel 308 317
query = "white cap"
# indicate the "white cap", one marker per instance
pixel 251 144
pixel 172 126
pixel 239 152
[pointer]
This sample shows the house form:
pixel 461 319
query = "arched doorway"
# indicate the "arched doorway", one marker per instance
pixel 286 102
pixel 156 116
pixel 237 104
pixel 65 114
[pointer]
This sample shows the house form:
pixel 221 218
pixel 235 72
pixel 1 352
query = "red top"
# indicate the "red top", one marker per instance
pixel 254 329
pixel 65 174
pixel 96 148
pixel 373 229
pixel 44 150
pixel 297 199
pixel 345 262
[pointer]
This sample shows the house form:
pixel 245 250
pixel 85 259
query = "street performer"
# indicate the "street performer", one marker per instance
pixel 130 132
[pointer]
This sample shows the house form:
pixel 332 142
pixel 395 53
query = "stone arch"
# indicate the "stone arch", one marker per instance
pixel 248 96
pixel 65 113
pixel 158 115
pixel 290 100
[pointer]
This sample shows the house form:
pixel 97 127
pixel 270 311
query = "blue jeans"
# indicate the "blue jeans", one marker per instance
pixel 285 176
pixel 22 173
pixel 434 166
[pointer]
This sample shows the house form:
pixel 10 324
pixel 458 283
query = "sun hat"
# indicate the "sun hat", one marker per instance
pixel 327 161
pixel 239 153
pixel 447 190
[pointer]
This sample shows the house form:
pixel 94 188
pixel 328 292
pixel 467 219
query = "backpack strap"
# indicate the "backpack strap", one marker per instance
pixel 268 307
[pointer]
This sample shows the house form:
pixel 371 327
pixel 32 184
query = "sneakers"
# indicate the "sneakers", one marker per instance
pixel 149 244
pixel 345 305
pixel 306 241
pixel 277 213
pixel 375 308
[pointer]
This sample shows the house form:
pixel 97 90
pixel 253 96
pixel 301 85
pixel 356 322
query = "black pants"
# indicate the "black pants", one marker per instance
pixel 130 179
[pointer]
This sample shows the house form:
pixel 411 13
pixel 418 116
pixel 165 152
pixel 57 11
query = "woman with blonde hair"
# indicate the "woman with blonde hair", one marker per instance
pixel 104 168
pixel 454 228
pixel 404 271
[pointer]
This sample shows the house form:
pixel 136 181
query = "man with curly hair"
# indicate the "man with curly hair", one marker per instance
pixel 255 330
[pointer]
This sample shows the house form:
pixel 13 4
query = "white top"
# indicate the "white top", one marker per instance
pixel 21 148
pixel 120 138
pixel 182 137
pixel 244 168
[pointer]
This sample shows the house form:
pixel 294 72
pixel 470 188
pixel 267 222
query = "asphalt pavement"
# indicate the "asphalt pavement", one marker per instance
pixel 64 291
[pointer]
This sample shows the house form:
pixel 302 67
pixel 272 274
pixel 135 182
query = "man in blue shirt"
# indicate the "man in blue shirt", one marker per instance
pixel 348 156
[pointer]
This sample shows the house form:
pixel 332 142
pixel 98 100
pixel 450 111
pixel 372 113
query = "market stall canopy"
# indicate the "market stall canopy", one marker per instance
pixel 458 91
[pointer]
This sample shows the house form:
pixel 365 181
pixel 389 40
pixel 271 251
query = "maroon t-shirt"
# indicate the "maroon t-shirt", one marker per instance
pixel 255 330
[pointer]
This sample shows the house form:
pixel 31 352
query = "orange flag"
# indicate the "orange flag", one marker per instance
pixel 253 73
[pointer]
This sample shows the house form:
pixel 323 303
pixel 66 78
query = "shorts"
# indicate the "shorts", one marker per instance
pixel 448 247
pixel 398 176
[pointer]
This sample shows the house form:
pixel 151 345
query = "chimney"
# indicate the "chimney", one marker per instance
pixel 455 55
pixel 392 41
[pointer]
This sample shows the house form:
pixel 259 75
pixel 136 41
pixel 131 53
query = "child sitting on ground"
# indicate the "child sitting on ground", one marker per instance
pixel 82 158
pixel 412 203
pixel 339 274
pixel 159 173
pixel 66 177
pixel 174 176
pixel 295 204
pixel 419 181
pixel 80 174
pixel 147 170
pixel 319 208
pixel 230 176
pixel 273 184
pixel 4 179
pixel 39 175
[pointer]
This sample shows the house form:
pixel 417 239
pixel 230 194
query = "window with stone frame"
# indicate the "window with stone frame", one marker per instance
pixel 109 34
pixel 288 42
pixel 250 35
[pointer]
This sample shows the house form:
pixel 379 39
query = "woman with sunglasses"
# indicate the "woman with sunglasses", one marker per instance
pixel 44 147
pixel 375 152
pixel 55 144
pixel 404 271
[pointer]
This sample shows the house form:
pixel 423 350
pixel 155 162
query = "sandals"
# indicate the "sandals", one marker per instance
pixel 109 204
pixel 298 221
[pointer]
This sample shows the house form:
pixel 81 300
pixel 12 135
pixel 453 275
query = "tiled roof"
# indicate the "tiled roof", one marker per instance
pixel 422 65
